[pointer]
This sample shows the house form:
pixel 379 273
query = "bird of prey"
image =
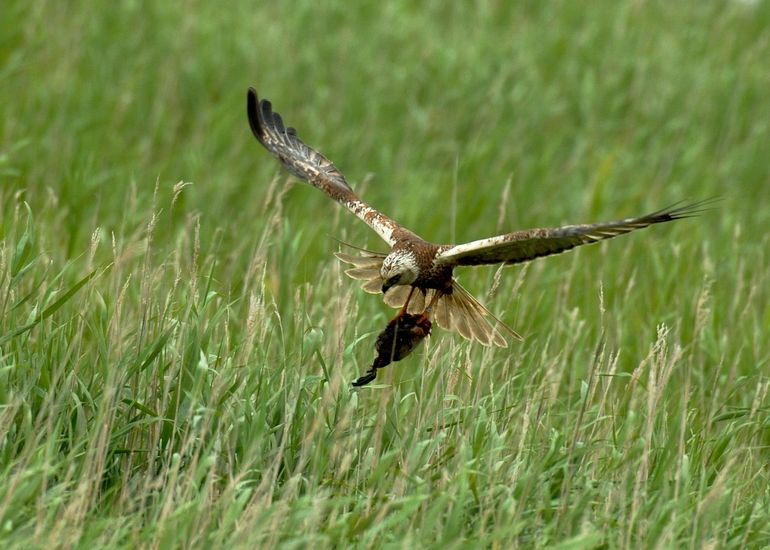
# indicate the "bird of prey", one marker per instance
pixel 417 275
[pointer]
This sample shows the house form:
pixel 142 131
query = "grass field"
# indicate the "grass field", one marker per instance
pixel 177 341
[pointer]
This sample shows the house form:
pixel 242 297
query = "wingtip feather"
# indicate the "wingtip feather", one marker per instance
pixel 252 102
pixel 681 210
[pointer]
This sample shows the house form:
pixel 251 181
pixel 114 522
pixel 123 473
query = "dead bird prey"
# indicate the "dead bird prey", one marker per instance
pixel 417 275
pixel 402 335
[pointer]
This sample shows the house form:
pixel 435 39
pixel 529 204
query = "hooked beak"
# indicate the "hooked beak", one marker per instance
pixel 388 284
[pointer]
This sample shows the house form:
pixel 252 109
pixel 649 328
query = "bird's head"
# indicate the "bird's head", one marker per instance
pixel 398 268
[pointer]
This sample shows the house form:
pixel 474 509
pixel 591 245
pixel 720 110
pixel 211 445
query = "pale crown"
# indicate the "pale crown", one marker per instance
pixel 399 268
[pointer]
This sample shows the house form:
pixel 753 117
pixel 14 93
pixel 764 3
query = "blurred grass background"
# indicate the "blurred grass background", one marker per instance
pixel 176 339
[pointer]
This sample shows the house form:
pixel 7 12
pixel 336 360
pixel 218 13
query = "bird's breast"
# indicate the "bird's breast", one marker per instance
pixel 437 277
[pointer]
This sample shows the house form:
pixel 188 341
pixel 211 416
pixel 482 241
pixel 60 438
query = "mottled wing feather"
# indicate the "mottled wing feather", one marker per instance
pixel 396 297
pixel 461 313
pixel 523 246
pixel 367 269
pixel 311 166
pixel 367 259
pixel 483 325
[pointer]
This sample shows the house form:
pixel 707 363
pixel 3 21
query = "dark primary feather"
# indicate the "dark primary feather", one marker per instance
pixel 295 156
pixel 523 246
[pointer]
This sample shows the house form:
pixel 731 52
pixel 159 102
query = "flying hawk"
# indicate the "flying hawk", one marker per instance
pixel 416 275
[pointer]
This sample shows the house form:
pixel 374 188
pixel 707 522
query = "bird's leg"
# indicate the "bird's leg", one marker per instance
pixel 406 304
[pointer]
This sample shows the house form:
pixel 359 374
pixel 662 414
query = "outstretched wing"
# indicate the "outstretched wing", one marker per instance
pixel 523 246
pixel 311 166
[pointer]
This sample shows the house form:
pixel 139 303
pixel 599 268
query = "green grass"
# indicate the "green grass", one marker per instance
pixel 175 359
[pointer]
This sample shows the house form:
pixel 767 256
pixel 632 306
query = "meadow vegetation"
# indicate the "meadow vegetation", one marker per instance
pixel 177 341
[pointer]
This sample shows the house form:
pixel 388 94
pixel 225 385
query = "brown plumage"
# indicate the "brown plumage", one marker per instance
pixel 402 335
pixel 417 275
